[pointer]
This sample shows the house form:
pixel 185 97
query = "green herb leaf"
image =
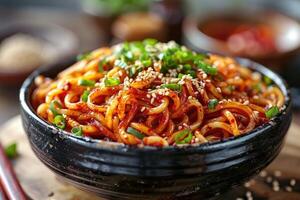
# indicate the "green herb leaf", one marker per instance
pixel 272 112
pixel 183 137
pixel 135 132
pixel 85 82
pixel 60 121
pixel 53 107
pixel 11 150
pixel 77 131
pixel 212 103
pixel 110 82
pixel 84 96
pixel 83 56
pixel 172 86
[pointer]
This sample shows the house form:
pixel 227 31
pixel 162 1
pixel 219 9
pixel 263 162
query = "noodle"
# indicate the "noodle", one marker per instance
pixel 156 94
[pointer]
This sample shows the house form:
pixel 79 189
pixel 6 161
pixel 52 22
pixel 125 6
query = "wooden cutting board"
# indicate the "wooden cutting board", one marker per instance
pixel 40 183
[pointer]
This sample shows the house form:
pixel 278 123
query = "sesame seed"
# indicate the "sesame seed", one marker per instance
pixel 247 184
pixel 292 182
pixel 246 102
pixel 269 179
pixel 277 173
pixel 152 100
pixel 275 183
pixel 248 194
pixel 142 109
pixel 289 188
pixel 263 173
pixel 276 188
pixel 218 89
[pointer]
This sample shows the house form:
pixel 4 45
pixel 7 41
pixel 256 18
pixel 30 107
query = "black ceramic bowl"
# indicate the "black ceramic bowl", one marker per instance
pixel 117 171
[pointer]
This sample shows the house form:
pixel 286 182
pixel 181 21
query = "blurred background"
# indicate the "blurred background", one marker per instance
pixel 41 33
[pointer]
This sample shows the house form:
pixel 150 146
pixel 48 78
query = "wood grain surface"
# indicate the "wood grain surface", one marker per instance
pixel 40 183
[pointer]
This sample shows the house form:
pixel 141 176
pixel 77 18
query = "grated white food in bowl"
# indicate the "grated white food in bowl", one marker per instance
pixel 21 53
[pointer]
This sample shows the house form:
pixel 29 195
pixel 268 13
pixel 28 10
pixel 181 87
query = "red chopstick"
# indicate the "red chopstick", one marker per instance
pixel 8 179
pixel 2 193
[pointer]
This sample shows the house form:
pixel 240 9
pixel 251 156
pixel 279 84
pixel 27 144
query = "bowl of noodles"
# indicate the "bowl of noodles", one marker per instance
pixel 155 120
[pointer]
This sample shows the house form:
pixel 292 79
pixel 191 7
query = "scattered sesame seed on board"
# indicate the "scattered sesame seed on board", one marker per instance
pixel 289 188
pixel 292 182
pixel 277 173
pixel 263 173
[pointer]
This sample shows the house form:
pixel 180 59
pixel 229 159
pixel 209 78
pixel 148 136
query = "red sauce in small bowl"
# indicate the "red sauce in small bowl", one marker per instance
pixel 243 38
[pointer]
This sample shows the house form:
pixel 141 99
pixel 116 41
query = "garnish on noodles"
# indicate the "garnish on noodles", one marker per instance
pixel 156 94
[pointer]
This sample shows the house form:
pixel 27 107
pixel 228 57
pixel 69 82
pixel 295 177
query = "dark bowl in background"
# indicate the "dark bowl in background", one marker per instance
pixel 286 31
pixel 116 171
pixel 62 41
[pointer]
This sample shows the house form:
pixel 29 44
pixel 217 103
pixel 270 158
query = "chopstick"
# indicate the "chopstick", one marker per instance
pixel 2 193
pixel 8 179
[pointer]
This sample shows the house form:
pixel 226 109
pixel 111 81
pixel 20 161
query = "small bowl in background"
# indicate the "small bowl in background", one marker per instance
pixel 58 43
pixel 286 33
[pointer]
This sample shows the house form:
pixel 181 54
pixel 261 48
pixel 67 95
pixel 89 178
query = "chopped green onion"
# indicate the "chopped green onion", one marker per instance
pixel 180 75
pixel 135 132
pixel 150 41
pixel 231 88
pixel 192 73
pixel 83 56
pixel 271 112
pixel 187 67
pixel 183 137
pixel 11 150
pixel 60 121
pixel 267 80
pixel 53 107
pixel 85 82
pixel 132 71
pixel 212 103
pixel 110 82
pixel 172 86
pixel 84 96
pixel 128 56
pixel 147 63
pixel 101 65
pixel 120 63
pixel 77 131
pixel 257 87
pixel 206 68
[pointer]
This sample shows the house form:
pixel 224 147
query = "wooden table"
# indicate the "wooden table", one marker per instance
pixel 40 183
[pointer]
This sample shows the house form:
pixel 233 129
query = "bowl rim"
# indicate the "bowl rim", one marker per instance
pixel 98 144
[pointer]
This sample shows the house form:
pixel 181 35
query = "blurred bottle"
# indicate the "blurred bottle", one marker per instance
pixel 172 12
pixel 104 12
